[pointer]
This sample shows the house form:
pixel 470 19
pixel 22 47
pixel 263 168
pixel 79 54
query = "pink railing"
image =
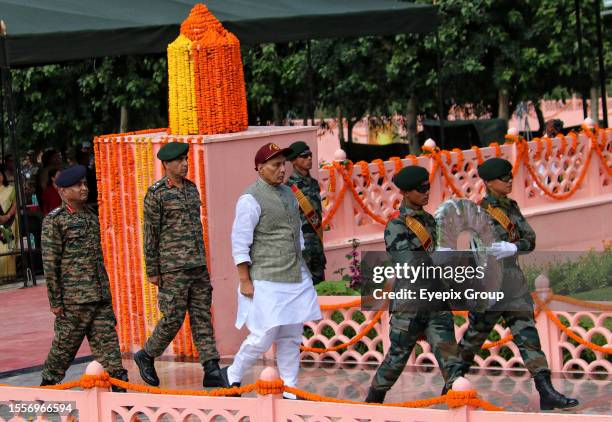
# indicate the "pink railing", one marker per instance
pixel 99 404
pixel 562 354
pixel 557 168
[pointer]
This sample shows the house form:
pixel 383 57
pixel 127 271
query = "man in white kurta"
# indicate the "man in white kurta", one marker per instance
pixel 276 294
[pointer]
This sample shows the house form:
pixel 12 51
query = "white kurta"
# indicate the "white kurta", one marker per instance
pixel 273 303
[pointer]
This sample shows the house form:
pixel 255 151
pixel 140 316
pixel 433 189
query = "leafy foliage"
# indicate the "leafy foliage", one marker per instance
pixel 524 50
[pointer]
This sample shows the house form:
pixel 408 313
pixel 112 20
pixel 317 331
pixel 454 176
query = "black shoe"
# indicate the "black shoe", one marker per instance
pixel 375 396
pixel 226 383
pixel 549 397
pixel 291 398
pixel 146 366
pixel 212 374
pixel 46 382
pixel 120 375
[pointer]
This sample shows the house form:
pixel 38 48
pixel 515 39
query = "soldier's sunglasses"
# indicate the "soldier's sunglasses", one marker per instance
pixel 307 154
pixel 423 188
pixel 506 178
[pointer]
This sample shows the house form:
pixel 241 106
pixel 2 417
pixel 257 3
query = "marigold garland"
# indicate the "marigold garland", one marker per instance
pixel 413 158
pixel 574 146
pixel 497 148
pixel 348 182
pixel 382 171
pixel 570 333
pixel 332 178
pixel 459 158
pixel 479 158
pixel 365 172
pixel 562 145
pixel 398 163
pixel 354 340
pixel 453 398
pixel 206 92
pixel 544 189
pixel 549 148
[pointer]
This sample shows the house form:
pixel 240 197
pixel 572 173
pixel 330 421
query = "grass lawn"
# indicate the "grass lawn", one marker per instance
pixel 605 293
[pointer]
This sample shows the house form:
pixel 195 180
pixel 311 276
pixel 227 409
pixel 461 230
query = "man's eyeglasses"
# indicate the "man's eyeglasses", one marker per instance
pixel 423 188
pixel 306 154
pixel 506 178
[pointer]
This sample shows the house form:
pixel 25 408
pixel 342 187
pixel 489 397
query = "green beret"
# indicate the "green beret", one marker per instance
pixel 296 149
pixel 410 177
pixel 172 151
pixel 494 168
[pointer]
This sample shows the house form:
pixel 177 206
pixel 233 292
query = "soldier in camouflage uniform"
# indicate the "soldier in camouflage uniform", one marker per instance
pixel 77 283
pixel 306 188
pixel 514 235
pixel 176 263
pixel 408 242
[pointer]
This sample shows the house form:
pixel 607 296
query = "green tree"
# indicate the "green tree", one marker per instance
pixel 63 104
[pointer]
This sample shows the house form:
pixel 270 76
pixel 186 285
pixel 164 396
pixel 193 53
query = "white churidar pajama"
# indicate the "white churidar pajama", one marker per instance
pixel 277 311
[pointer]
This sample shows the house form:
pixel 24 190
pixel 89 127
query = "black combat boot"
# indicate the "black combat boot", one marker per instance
pixel 146 366
pixel 456 371
pixel 549 397
pixel 226 383
pixel 212 374
pixel 46 382
pixel 123 376
pixel 375 396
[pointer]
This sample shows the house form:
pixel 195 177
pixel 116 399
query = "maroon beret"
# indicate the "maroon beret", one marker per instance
pixel 269 151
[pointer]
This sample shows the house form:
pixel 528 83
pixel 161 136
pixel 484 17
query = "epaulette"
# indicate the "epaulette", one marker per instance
pixel 157 185
pixel 55 212
pixel 189 182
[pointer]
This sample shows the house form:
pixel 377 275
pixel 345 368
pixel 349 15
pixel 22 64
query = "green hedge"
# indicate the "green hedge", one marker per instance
pixel 588 277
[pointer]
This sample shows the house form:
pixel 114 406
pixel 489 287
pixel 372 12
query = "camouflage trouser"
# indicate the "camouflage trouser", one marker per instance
pixel 181 291
pixel 97 322
pixel 314 256
pixel 522 325
pixel 439 330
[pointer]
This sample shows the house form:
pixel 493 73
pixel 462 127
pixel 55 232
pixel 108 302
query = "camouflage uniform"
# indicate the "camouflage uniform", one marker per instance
pixel 408 326
pixel 313 253
pixel 174 250
pixel 520 321
pixel 78 283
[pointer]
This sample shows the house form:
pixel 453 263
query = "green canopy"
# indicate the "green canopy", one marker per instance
pixel 47 31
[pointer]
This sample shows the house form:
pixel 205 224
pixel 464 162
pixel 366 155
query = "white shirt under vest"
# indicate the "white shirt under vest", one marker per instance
pixel 274 303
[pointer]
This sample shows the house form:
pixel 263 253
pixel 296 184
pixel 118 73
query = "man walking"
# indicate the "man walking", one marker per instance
pixel 77 283
pixel 176 263
pixel 276 294
pixel 514 235
pixel 410 238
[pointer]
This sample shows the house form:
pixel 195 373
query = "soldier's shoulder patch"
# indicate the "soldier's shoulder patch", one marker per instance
pixel 396 223
pixel 55 212
pixel 157 185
